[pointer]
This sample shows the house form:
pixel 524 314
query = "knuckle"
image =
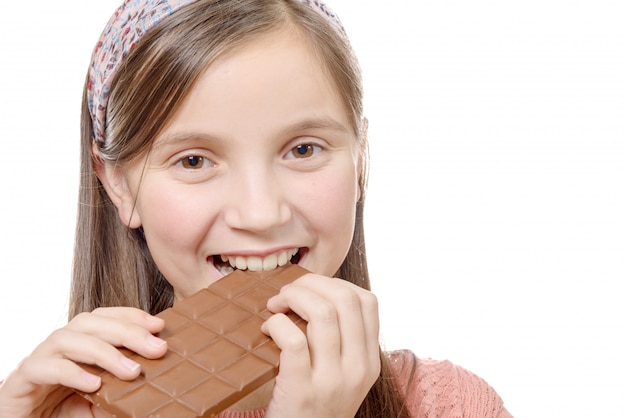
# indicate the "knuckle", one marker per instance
pixel 296 342
pixel 82 317
pixel 56 337
pixel 324 312
pixel 98 311
pixel 370 301
pixel 23 367
pixel 349 297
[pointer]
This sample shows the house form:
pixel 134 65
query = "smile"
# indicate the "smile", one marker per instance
pixel 228 263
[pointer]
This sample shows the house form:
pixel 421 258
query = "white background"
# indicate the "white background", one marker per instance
pixel 497 202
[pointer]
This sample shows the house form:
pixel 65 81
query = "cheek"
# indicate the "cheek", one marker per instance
pixel 331 202
pixel 172 218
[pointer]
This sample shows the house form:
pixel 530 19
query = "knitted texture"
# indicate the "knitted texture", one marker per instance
pixel 440 389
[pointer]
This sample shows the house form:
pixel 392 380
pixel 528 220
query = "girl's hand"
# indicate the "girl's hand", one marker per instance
pixel 42 384
pixel 329 371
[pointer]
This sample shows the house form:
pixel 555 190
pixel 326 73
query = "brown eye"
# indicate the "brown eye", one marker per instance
pixel 192 162
pixel 304 150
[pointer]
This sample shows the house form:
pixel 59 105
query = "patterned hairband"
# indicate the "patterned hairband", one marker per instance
pixel 129 23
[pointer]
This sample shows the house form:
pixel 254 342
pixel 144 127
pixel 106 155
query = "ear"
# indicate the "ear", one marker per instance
pixel 114 182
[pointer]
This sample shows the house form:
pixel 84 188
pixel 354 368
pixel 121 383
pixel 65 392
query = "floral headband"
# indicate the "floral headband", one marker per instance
pixel 127 25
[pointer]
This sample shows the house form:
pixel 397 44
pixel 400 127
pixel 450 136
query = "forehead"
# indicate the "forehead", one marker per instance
pixel 279 77
pixel 283 51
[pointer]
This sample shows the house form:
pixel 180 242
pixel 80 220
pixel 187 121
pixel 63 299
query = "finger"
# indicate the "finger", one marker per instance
pixel 322 332
pixel 294 354
pixel 84 348
pixel 357 310
pixel 371 319
pixel 364 333
pixel 50 371
pixel 126 314
pixel 130 331
pixel 357 315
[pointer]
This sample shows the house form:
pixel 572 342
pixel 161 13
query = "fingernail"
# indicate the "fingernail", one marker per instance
pixel 129 364
pixel 155 342
pixel 91 379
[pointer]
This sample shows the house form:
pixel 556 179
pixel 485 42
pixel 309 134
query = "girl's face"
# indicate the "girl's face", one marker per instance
pixel 259 163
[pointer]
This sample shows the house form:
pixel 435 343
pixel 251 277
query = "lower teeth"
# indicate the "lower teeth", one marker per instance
pixel 225 269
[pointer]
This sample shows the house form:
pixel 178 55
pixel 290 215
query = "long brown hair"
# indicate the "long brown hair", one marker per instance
pixel 112 264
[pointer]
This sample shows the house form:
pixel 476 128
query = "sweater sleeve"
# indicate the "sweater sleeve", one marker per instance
pixel 479 398
pixel 435 388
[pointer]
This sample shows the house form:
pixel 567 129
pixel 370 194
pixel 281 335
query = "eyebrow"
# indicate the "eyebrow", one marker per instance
pixel 169 138
pixel 316 123
pixel 308 124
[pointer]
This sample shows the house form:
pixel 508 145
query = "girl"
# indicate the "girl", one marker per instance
pixel 222 134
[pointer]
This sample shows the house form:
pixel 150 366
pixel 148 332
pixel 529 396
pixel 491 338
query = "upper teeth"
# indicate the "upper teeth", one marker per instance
pixel 254 263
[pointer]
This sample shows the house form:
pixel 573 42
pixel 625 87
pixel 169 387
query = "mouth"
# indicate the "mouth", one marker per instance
pixel 226 264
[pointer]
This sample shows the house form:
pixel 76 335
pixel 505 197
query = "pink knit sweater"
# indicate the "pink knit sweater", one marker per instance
pixel 438 389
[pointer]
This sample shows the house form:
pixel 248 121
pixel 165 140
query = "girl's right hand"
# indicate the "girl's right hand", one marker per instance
pixel 42 384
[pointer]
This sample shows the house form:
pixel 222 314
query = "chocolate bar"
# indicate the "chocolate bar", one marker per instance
pixel 216 354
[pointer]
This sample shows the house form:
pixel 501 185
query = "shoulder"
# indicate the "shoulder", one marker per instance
pixel 439 388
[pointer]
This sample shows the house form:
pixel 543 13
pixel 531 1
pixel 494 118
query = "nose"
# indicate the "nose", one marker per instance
pixel 258 201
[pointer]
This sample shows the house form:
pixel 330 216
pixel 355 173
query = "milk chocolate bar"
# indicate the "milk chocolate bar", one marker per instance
pixel 216 354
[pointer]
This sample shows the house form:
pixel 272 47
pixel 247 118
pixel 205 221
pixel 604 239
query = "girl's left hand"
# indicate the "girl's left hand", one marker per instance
pixel 329 371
